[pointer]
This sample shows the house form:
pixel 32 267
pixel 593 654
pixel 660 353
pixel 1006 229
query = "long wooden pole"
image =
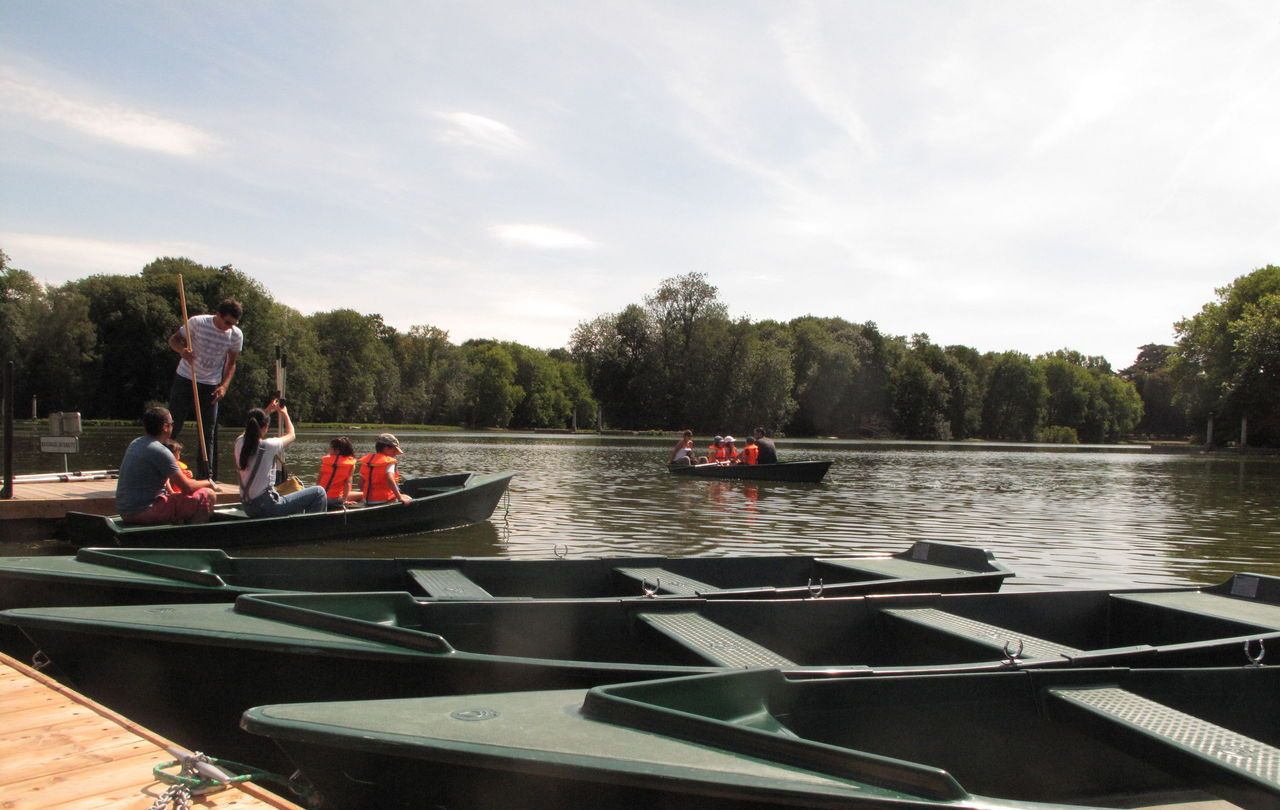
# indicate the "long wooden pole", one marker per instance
pixel 195 389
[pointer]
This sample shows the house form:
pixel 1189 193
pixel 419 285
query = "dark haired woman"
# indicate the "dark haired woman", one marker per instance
pixel 254 453
pixel 336 470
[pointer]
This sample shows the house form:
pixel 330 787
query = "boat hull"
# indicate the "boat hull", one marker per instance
pixel 800 472
pixel 757 739
pixel 440 502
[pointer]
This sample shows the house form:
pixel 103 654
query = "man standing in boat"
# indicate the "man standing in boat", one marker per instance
pixel 768 453
pixel 141 496
pixel 216 342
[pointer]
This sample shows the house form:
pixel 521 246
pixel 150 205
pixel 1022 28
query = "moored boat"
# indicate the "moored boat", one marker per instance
pixel 805 472
pixel 439 502
pixel 145 661
pixel 129 576
pixel 1092 737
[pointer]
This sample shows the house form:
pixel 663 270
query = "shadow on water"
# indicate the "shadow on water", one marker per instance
pixel 1099 516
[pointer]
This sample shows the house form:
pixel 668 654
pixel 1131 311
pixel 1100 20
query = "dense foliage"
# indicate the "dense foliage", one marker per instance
pixel 675 360
pixel 1227 359
pixel 98 345
pixel 679 360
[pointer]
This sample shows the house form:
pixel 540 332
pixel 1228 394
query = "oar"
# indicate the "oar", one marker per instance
pixel 195 390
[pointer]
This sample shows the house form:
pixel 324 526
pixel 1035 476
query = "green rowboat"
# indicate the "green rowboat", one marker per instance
pixel 1080 738
pixel 440 502
pixel 189 671
pixel 801 472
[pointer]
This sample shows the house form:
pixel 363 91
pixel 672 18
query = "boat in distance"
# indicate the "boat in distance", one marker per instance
pixel 129 576
pixel 439 502
pixel 800 472
pixel 1033 738
pixel 286 648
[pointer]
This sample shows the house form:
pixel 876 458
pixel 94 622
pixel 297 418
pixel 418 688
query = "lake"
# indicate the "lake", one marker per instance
pixel 1067 516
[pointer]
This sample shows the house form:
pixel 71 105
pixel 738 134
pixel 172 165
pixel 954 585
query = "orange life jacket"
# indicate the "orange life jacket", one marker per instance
pixel 335 472
pixel 752 452
pixel 723 453
pixel 374 482
pixel 712 451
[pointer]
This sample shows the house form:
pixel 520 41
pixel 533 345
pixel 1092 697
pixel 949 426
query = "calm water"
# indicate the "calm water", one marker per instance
pixel 1075 517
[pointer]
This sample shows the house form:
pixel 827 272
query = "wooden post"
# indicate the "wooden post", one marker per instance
pixel 1208 433
pixel 1244 432
pixel 7 491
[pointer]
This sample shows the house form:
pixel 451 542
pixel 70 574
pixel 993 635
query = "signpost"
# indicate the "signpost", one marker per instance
pixel 64 436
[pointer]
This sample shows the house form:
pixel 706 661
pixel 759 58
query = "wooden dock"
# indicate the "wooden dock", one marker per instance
pixel 60 749
pixel 35 509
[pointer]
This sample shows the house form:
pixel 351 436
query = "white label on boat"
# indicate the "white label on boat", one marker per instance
pixel 1244 586
pixel 920 552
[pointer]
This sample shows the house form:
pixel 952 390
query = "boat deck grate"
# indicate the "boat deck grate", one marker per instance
pixel 1190 733
pixel 665 581
pixel 983 633
pixel 715 643
pixel 447 583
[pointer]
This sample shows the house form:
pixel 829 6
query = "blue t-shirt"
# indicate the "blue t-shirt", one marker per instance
pixel 146 465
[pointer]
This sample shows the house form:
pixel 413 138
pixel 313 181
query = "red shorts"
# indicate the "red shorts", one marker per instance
pixel 174 507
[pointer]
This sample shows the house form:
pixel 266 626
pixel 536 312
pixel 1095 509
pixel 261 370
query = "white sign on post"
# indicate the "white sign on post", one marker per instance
pixel 60 444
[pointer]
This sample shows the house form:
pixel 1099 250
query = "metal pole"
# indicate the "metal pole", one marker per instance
pixel 7 491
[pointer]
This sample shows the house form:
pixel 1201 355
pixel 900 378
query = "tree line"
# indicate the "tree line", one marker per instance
pixel 98 345
pixel 677 359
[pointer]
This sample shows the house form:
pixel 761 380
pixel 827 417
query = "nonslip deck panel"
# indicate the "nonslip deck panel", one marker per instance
pixel 1230 608
pixel 1177 735
pixel 664 581
pixel 983 633
pixel 447 583
pixel 714 643
pixel 896 568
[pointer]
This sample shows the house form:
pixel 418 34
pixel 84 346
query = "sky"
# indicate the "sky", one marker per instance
pixel 1001 175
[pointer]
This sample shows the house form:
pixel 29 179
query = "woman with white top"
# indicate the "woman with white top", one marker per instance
pixel 254 453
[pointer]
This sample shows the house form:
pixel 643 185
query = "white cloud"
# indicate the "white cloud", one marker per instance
pixel 541 236
pixel 469 129
pixel 129 127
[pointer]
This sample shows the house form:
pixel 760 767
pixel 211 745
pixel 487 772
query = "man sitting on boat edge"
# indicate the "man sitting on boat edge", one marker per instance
pixel 141 497
pixel 768 453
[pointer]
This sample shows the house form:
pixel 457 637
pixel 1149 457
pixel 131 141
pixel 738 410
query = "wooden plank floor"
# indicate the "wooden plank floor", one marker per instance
pixel 54 499
pixel 60 749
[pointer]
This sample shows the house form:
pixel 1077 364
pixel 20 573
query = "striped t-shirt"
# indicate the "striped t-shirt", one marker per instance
pixel 211 345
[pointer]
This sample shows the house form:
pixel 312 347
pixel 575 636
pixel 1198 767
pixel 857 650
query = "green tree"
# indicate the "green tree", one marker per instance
pixel 359 364
pixel 1015 398
pixel 62 346
pixel 1153 380
pixel 1214 373
pixel 492 392
pixel 920 399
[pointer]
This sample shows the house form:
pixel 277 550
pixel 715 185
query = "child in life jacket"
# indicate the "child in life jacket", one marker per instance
pixel 337 470
pixel 176 449
pixel 379 481
pixel 728 452
pixel 750 452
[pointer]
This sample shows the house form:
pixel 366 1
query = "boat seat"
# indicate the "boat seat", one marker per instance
pixel 714 643
pixel 982 633
pixel 1169 737
pixel 895 568
pixel 447 583
pixel 666 581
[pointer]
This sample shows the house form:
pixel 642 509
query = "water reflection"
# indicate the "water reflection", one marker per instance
pixel 1054 516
